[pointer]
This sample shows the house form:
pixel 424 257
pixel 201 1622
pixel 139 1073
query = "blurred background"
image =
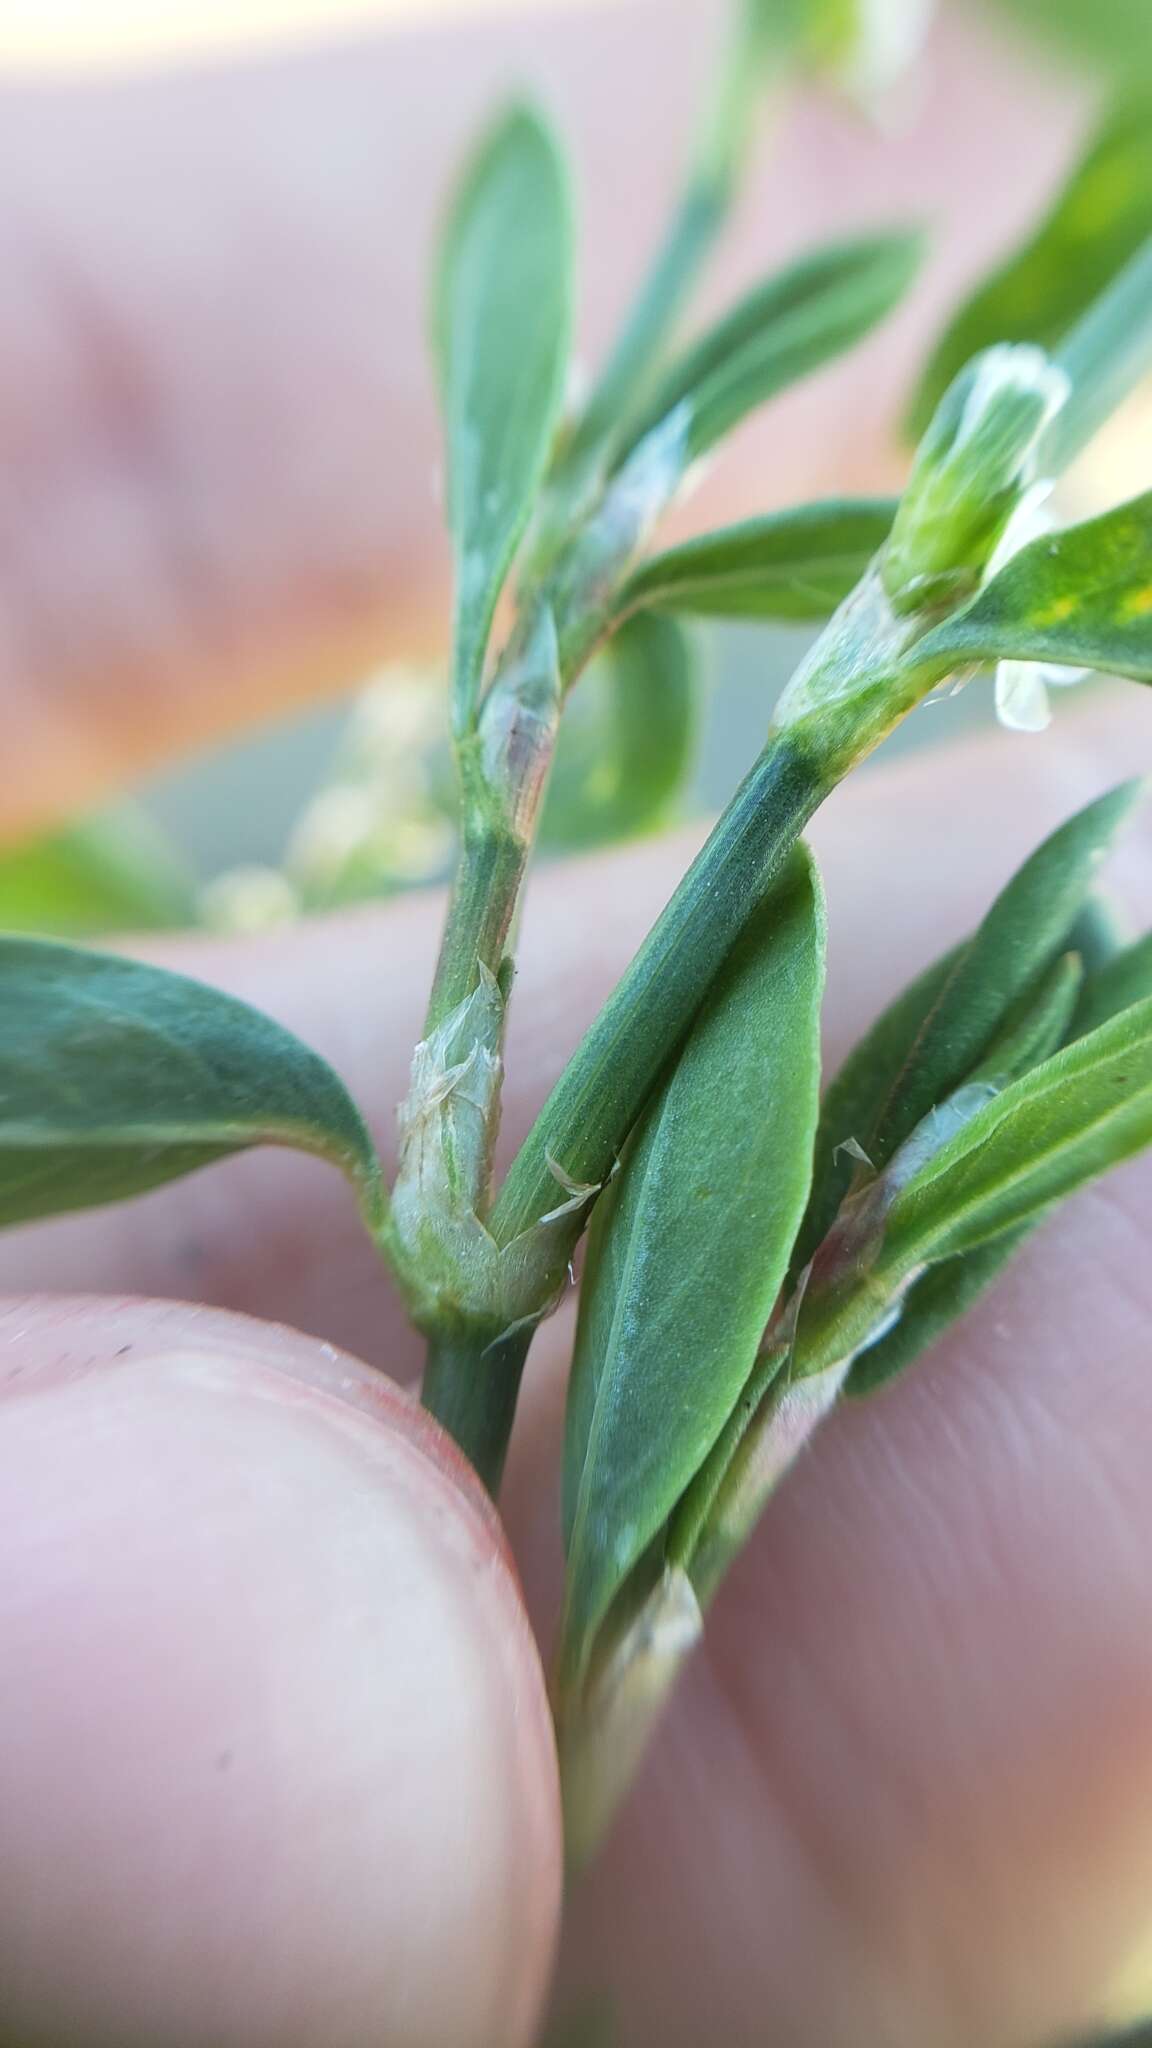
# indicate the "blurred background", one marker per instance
pixel 240 531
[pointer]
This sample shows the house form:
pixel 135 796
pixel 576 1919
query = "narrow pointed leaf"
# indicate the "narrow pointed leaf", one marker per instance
pixel 1107 355
pixel 1051 1133
pixel 1123 981
pixel 1035 1027
pixel 1036 1030
pixel 944 1295
pixel 795 565
pixel 855 1098
pixel 1098 935
pixel 1082 1112
pixel 689 1247
pixel 783 331
pixel 1082 598
pixel 930 1041
pixel 502 331
pixel 116 1077
pixel 628 741
pixel 1039 293
pixel 1025 929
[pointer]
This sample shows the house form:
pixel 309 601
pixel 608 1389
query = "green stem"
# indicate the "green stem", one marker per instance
pixel 697 225
pixel 695 230
pixel 472 1389
pixel 590 1112
pixel 485 897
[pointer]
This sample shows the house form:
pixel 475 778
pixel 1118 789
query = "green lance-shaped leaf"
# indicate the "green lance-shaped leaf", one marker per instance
pixel 111 873
pixel 1098 935
pixel 1058 1128
pixel 1082 598
pixel 1063 1125
pixel 502 324
pixel 856 1096
pixel 934 1036
pixel 1100 220
pixel 770 41
pixel 1124 980
pixel 1023 932
pixel 1035 1030
pixel 116 1077
pixel 933 1304
pixel 697 222
pixel 795 565
pixel 1117 978
pixel 780 1407
pixel 628 741
pixel 689 1247
pixel 783 331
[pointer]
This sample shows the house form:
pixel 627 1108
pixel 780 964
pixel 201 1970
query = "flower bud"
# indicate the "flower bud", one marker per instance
pixel 977 461
pixel 867 46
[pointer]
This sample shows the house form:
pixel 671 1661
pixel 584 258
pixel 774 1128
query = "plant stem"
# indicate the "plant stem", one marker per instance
pixel 699 221
pixel 485 896
pixel 472 1391
pixel 590 1112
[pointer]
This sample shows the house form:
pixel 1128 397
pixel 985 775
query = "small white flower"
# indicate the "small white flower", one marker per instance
pixel 1014 367
pixel 887 39
pixel 1022 686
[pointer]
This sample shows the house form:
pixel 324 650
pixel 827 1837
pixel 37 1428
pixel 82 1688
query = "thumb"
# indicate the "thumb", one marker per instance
pixel 274 1755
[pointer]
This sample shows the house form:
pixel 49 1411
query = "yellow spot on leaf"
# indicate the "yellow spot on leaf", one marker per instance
pixel 1060 609
pixel 1138 604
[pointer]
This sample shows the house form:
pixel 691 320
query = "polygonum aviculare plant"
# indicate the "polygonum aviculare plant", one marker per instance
pixel 754 1253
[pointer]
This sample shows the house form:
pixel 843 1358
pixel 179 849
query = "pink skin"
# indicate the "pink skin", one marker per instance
pixel 274 1757
pixel 276 1764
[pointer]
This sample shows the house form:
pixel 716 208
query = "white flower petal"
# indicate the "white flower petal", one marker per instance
pixel 1030 521
pixel 1022 696
pixel 889 37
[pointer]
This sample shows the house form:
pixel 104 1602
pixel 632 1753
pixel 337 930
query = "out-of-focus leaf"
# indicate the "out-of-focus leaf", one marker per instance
pixel 502 330
pixel 628 740
pixel 1081 598
pixel 1106 355
pixel 1098 935
pixel 1113 35
pixel 795 565
pixel 111 873
pixel 116 1077
pixel 689 1246
pixel 1101 218
pixel 784 330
